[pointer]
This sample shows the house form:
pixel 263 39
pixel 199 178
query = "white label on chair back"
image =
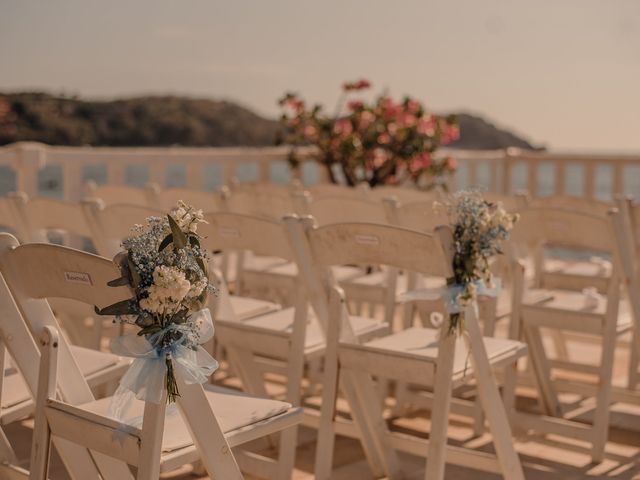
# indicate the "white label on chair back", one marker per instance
pixel 367 240
pixel 228 232
pixel 78 277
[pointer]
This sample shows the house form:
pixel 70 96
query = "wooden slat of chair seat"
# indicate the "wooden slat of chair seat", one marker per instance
pixel 566 308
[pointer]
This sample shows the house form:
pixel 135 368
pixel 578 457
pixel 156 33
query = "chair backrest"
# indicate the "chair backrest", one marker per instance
pixel 207 201
pixel 333 190
pixel 339 209
pixel 35 272
pixel 414 215
pixel 9 218
pixel 264 203
pixel 234 231
pixel 40 215
pixel 319 248
pixel 111 194
pixel 112 223
pixel 580 204
pixel 563 227
pixel 402 194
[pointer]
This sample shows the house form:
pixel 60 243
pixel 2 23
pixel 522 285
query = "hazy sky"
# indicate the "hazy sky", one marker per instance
pixel 562 72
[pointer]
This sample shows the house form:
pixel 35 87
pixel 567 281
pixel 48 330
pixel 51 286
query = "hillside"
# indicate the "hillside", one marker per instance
pixel 170 120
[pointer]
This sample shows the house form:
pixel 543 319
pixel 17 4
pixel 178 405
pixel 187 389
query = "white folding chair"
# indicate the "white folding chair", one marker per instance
pixel 415 355
pixel 112 223
pixel 67 222
pixel 603 317
pixel 571 273
pixel 110 194
pixel 10 220
pixel 403 194
pixel 212 420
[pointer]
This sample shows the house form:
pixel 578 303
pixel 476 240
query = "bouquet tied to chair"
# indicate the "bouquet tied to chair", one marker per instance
pixel 479 228
pixel 166 268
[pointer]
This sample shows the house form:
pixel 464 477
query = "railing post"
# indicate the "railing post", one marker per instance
pixel 560 177
pixel 30 158
pixel 508 161
pixel 194 176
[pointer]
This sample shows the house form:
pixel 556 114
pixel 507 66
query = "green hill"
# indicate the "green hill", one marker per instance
pixel 170 120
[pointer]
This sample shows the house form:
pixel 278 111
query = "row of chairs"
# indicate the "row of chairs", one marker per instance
pixel 352 360
pixel 568 273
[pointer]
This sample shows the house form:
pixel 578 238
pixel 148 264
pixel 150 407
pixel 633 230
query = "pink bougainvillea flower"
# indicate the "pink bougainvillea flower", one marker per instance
pixel 413 106
pixel 384 138
pixel 450 134
pixel 343 126
pixel 361 84
pixel 392 128
pixel 391 180
pixel 310 132
pixel 407 120
pixel 451 163
pixel 355 105
pixel 366 118
pixel 426 125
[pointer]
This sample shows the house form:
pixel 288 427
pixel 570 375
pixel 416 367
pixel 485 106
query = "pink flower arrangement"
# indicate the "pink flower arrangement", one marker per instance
pixel 379 142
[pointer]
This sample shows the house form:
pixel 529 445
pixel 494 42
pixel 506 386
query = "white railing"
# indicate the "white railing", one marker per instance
pixel 38 169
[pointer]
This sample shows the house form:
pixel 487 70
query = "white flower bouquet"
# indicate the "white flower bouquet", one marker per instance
pixel 479 228
pixel 166 268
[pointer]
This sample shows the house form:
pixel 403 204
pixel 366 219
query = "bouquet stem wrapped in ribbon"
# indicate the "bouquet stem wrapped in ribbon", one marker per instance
pixel 166 268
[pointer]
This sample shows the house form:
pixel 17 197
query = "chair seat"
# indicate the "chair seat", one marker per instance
pixel 246 307
pixel 234 411
pixel 422 343
pixel 93 364
pixel 282 321
pixel 341 273
pixel 259 263
pixel 573 267
pixel 570 302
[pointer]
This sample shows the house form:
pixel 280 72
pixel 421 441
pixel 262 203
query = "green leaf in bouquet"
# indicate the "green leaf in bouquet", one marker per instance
pixel 135 276
pixel 179 238
pixel 144 321
pixel 151 329
pixel 118 282
pixel 123 307
pixel 166 242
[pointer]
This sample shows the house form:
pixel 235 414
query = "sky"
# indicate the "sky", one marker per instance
pixel 563 73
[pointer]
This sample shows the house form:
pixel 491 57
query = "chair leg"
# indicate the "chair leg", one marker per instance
pixel 441 406
pixel 634 360
pixel 542 372
pixel 359 389
pixel 603 397
pixel 491 400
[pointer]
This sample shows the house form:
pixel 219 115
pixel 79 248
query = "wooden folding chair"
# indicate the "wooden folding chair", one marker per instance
pixel 415 355
pixel 212 420
pixel 567 311
pixel 267 333
pixel 111 194
pixel 42 217
pixel 627 225
pixel 571 273
pixel 10 219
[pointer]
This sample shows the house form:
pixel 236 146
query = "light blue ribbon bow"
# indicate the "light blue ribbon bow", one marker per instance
pixel 450 294
pixel 145 378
